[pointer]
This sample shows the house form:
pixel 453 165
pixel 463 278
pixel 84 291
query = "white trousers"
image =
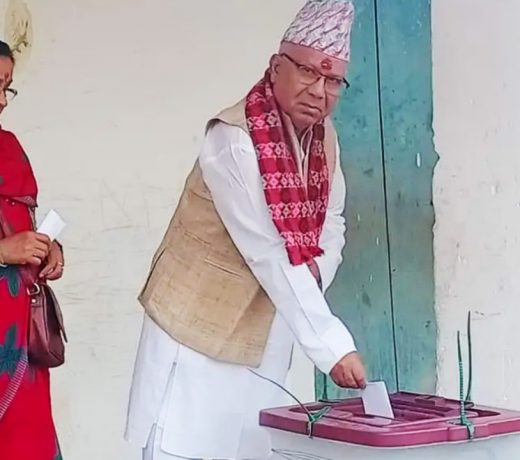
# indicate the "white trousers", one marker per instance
pixel 153 450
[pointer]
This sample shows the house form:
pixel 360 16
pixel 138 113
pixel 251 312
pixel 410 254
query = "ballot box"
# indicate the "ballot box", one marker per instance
pixel 424 427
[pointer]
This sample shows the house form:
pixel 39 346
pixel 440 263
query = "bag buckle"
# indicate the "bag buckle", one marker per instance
pixel 34 290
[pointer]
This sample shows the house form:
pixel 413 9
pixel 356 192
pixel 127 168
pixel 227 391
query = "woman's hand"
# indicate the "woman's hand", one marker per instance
pixel 24 248
pixel 53 269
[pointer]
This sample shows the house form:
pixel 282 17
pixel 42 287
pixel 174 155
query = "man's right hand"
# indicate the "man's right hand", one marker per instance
pixel 350 372
pixel 24 248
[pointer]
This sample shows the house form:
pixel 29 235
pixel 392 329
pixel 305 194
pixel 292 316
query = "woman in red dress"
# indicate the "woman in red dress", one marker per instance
pixel 26 426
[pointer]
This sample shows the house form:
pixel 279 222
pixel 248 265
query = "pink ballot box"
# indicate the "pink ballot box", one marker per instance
pixel 424 428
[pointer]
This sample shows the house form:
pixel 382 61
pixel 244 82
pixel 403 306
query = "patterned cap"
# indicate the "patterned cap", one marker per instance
pixel 325 26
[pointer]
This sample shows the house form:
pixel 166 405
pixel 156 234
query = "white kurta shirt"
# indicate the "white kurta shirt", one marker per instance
pixel 207 408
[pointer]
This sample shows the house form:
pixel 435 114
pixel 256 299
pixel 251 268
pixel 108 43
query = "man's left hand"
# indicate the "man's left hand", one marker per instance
pixel 53 269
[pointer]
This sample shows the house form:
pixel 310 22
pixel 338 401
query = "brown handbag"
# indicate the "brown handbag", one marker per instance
pixel 47 337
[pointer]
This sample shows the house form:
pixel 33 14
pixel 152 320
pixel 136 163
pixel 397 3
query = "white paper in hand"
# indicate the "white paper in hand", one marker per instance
pixel 376 400
pixel 52 225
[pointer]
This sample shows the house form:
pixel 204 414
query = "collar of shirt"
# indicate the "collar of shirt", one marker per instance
pixel 301 145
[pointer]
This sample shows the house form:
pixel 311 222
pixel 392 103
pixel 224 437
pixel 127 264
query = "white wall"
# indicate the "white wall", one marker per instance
pixel 477 185
pixel 111 109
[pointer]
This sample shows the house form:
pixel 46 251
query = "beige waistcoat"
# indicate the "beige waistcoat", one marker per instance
pixel 200 290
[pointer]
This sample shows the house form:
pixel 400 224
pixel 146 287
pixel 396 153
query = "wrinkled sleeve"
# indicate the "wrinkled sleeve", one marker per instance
pixel 230 170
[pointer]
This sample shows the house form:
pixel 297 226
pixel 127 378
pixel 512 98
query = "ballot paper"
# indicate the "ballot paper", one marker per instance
pixel 376 400
pixel 52 225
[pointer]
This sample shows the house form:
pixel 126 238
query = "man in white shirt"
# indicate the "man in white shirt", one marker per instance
pixel 241 273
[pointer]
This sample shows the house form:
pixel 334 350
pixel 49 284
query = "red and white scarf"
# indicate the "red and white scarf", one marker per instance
pixel 298 210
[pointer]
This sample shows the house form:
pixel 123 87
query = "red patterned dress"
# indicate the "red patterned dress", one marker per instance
pixel 26 426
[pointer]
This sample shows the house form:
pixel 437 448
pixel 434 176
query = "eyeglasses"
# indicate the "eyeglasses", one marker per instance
pixel 310 76
pixel 10 93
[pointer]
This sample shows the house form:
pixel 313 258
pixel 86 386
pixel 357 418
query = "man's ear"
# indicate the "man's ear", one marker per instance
pixel 274 65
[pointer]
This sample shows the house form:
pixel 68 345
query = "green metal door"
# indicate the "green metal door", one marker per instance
pixel 384 289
